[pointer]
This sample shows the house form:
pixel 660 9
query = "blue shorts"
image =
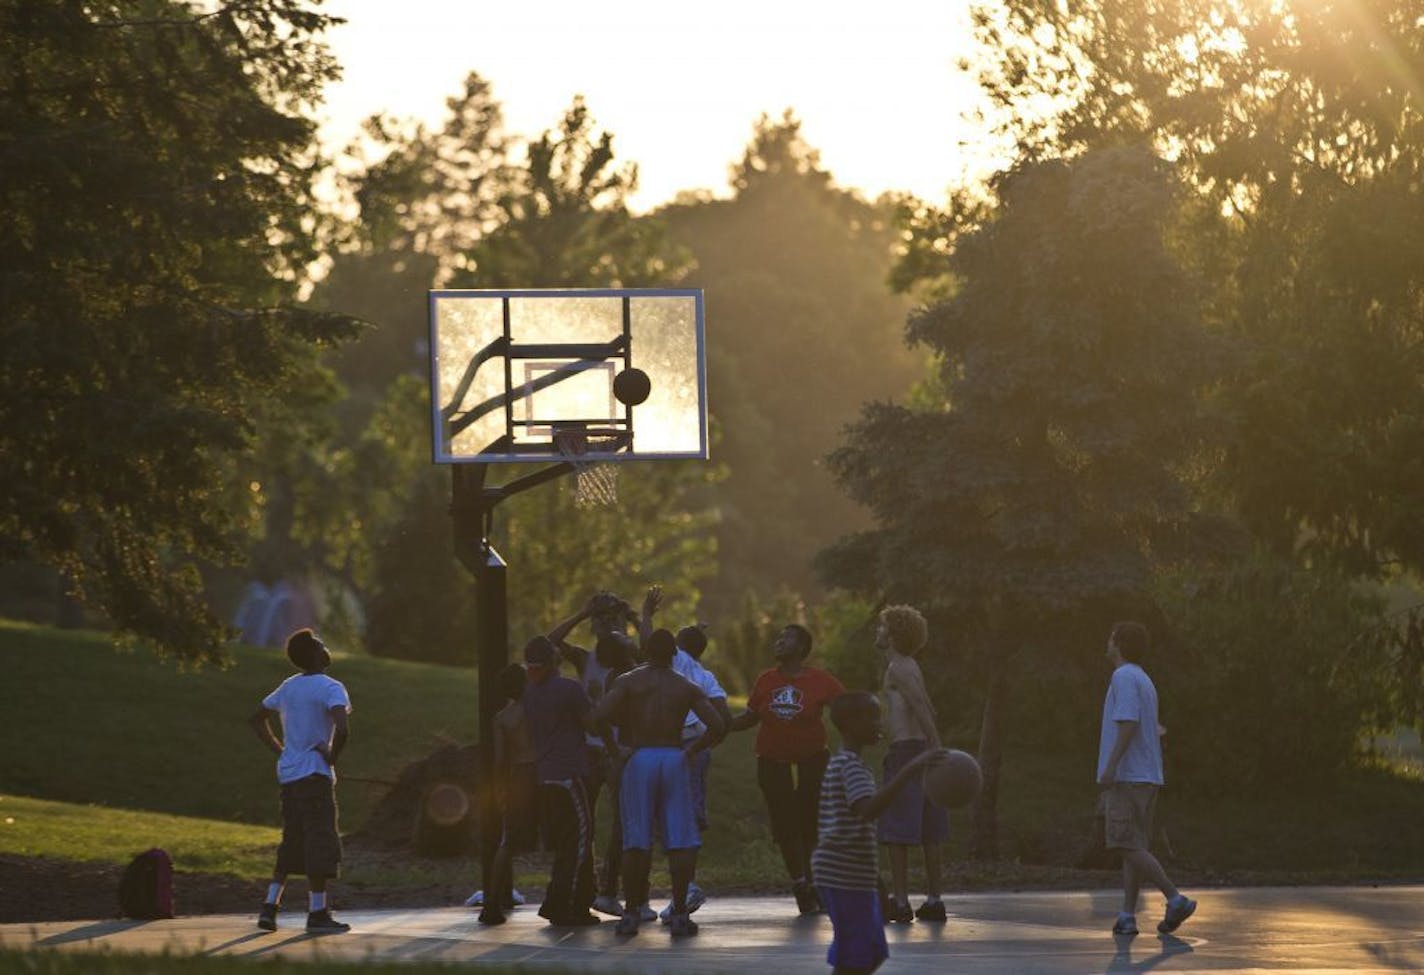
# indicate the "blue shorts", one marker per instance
pixel 858 939
pixel 911 819
pixel 657 789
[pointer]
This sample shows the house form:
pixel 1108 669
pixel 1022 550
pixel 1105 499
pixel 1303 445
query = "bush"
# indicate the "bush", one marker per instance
pixel 1262 679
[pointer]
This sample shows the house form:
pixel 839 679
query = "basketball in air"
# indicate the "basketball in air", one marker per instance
pixel 632 386
pixel 952 779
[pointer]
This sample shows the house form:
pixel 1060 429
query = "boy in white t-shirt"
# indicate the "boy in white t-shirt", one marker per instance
pixel 313 708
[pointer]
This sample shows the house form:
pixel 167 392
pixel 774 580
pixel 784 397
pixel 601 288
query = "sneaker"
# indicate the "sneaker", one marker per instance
pixel 608 904
pixel 695 899
pixel 1179 908
pixel 491 915
pixel 627 924
pixel 1126 925
pixel 899 913
pixel 646 914
pixel 321 922
pixel 682 926
pixel 517 897
pixel 267 917
pixel 932 911
pixel 477 899
pixel 806 900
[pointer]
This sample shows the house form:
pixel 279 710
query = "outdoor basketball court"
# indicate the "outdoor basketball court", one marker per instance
pixel 1319 930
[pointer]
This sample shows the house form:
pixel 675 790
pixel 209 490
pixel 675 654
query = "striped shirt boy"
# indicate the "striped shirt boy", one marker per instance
pixel 845 855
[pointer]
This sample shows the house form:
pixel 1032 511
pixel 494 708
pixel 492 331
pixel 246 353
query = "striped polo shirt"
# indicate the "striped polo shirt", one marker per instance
pixel 845 855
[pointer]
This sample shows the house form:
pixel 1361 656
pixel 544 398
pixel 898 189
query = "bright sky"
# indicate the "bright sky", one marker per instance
pixel 680 85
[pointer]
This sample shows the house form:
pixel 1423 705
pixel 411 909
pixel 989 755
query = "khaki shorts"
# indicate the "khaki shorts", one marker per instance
pixel 1128 810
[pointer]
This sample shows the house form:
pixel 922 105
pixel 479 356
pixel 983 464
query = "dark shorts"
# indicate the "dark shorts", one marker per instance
pixel 911 819
pixel 793 796
pixel 310 843
pixel 520 810
pixel 1128 810
pixel 858 931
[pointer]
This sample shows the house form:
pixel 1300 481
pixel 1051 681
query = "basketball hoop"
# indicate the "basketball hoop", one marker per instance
pixel 595 482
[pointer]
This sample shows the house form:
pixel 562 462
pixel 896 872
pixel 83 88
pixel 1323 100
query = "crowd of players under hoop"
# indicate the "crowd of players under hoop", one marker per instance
pixel 639 721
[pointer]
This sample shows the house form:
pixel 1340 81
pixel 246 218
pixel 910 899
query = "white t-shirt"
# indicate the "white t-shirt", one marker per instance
pixel 1132 697
pixel 305 701
pixel 688 666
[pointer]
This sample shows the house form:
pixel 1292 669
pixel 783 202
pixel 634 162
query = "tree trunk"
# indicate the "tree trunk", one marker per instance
pixel 984 843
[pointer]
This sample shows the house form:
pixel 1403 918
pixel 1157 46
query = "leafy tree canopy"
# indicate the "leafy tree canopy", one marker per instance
pixel 1300 125
pixel 157 192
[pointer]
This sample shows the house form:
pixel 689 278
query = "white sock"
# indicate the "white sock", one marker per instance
pixel 318 901
pixel 274 892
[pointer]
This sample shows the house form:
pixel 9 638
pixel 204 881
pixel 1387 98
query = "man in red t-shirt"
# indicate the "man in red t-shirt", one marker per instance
pixel 787 702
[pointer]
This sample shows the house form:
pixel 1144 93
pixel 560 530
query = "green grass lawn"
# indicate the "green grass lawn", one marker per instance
pixel 95 743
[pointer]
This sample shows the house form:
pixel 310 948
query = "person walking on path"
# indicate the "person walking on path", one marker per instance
pixel 313 709
pixel 1130 775
pixel 911 819
pixel 786 702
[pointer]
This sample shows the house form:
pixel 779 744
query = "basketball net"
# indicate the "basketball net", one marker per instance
pixel 595 482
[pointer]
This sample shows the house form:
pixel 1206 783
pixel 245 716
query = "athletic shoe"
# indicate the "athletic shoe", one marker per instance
pixel 1126 925
pixel 682 926
pixel 932 911
pixel 627 924
pixel 517 897
pixel 267 918
pixel 695 899
pixel 477 899
pixel 608 904
pixel 899 914
pixel 806 900
pixel 491 915
pixel 321 922
pixel 1179 908
pixel 646 914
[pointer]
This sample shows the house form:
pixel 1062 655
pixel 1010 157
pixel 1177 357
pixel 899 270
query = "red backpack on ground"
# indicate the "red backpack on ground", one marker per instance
pixel 146 890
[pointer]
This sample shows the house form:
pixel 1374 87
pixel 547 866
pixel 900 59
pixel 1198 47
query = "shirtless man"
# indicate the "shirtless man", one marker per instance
pixel 910 819
pixel 649 705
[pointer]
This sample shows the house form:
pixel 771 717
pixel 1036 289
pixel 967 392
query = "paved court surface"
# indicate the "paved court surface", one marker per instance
pixel 1318 930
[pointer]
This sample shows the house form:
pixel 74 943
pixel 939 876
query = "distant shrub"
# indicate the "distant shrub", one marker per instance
pixel 1261 676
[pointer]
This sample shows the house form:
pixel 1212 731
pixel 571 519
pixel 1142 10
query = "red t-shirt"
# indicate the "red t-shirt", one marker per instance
pixel 791 729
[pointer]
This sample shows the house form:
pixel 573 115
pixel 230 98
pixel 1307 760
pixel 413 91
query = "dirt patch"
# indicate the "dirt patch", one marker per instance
pixel 45 889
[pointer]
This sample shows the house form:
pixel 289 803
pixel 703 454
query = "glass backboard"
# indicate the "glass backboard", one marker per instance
pixel 516 376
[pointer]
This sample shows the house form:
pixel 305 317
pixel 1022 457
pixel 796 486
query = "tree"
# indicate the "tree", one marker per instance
pixel 1300 128
pixel 802 330
pixel 157 189
pixel 1053 474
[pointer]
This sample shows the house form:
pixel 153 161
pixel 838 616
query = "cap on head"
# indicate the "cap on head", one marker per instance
pixel 307 652
pixel 692 639
pixel 540 652
pixel 661 648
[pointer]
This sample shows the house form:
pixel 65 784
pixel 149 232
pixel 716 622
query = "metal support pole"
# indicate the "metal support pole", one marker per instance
pixel 492 628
